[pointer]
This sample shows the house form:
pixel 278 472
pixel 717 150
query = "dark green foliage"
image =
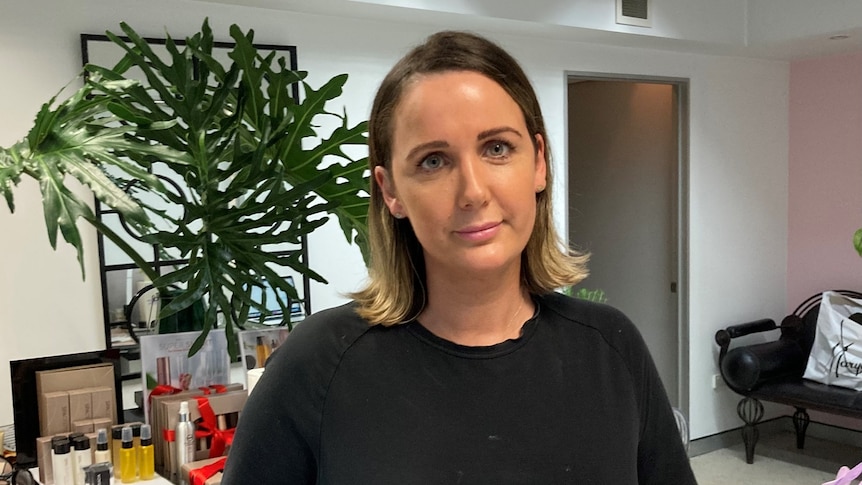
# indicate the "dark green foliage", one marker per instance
pixel 231 134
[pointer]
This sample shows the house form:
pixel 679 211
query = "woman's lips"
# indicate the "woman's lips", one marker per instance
pixel 480 232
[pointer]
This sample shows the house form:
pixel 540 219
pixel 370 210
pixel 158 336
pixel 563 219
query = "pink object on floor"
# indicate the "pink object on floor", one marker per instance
pixel 846 475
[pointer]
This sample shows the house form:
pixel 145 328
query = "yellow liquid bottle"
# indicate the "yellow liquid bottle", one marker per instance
pixel 136 441
pixel 116 446
pixel 128 462
pixel 147 469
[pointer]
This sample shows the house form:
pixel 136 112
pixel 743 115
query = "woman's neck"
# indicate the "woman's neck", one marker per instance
pixel 476 311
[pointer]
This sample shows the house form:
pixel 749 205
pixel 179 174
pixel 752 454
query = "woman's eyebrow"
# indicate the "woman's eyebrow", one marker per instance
pixel 431 145
pixel 497 131
pixel 439 144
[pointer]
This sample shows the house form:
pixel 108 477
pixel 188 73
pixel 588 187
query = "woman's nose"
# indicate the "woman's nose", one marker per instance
pixel 472 183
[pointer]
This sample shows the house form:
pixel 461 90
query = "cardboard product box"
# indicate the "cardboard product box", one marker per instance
pixel 188 467
pixel 43 460
pixel 227 405
pixel 105 423
pixel 83 426
pixel 80 405
pixel 93 426
pixel 103 402
pixel 54 413
pixel 78 377
pixel 161 448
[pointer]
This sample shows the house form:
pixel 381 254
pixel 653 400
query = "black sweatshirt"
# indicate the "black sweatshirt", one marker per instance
pixel 576 399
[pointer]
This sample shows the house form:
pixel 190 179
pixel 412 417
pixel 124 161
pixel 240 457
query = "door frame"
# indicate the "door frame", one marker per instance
pixel 681 91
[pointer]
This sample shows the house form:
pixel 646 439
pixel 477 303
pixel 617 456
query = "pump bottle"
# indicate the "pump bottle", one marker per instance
pixel 185 439
pixel 116 446
pixel 128 462
pixel 147 470
pixel 102 454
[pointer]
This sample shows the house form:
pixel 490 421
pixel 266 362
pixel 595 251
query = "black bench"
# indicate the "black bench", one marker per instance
pixel 772 371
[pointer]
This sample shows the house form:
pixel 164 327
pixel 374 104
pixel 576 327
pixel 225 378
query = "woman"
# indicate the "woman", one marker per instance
pixel 458 363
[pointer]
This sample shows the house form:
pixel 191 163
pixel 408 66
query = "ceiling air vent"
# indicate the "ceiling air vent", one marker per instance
pixel 634 12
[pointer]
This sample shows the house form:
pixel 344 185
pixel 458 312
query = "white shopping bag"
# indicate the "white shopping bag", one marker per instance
pixel 836 356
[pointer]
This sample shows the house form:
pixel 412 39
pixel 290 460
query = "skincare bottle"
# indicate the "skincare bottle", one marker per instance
pixel 82 457
pixel 61 462
pixel 163 371
pixel 102 454
pixel 116 445
pixel 136 441
pixel 147 470
pixel 127 457
pixel 262 352
pixel 185 438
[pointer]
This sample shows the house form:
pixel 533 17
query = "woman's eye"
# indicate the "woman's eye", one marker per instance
pixel 431 162
pixel 499 149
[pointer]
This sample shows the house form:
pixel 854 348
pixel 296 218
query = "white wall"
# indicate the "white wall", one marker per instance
pixel 738 162
pixel 721 22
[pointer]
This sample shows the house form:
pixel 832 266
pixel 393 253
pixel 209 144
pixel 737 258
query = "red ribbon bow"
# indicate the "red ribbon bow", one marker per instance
pixel 208 427
pixel 218 388
pixel 163 389
pixel 199 476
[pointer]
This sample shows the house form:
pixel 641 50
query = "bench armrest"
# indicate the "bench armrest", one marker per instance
pixel 746 367
pixel 724 336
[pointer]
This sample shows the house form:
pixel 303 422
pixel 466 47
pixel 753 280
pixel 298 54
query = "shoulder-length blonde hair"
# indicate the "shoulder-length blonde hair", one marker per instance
pixel 396 289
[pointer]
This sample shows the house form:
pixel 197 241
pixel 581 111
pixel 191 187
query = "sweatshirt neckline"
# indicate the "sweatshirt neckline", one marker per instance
pixel 480 351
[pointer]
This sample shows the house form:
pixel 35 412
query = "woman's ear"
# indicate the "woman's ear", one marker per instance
pixel 387 188
pixel 541 173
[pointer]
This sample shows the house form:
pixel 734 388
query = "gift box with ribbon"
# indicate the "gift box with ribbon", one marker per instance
pixel 157 420
pixel 204 472
pixel 215 416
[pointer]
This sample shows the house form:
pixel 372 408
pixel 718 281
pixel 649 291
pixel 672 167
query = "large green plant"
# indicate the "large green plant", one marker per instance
pixel 857 241
pixel 257 173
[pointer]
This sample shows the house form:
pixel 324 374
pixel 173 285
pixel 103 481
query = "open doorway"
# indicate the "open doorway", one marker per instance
pixel 627 173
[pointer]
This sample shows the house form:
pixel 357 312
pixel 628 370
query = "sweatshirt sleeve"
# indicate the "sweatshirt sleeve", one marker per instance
pixel 272 445
pixel 277 440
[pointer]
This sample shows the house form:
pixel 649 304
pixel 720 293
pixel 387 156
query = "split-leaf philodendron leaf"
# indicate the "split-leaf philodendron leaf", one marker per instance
pixel 234 137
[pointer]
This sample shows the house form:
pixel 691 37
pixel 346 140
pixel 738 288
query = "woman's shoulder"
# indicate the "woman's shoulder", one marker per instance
pixel 578 315
pixel 321 338
pixel 583 312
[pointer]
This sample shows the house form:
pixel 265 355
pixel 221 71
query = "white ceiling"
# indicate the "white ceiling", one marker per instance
pixel 773 29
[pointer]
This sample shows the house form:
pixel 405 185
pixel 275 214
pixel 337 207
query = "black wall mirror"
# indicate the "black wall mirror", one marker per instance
pixel 130 302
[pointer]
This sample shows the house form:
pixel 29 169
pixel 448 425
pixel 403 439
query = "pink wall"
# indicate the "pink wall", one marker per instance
pixel 825 176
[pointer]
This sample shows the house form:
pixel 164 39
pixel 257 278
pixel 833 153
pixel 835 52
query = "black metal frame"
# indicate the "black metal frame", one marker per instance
pixel 157 261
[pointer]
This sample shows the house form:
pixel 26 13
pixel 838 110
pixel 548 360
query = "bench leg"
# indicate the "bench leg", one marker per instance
pixel 751 412
pixel 800 422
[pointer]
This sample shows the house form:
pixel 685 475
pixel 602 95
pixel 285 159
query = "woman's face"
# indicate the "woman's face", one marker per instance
pixel 465 172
